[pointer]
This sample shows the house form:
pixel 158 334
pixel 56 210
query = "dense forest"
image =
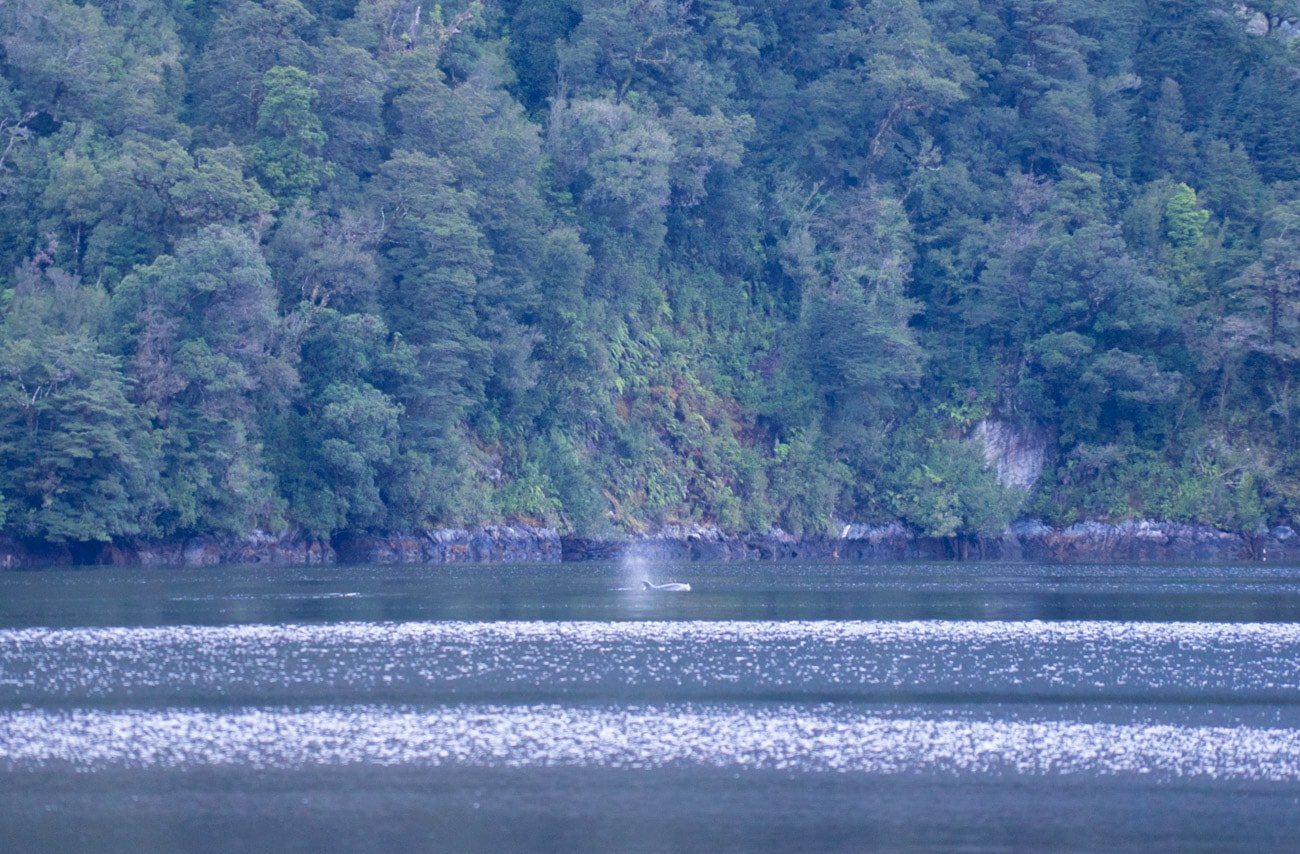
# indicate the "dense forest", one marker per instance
pixel 377 265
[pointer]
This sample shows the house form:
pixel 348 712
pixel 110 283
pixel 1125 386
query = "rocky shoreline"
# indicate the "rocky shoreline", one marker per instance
pixel 496 544
pixel 1027 540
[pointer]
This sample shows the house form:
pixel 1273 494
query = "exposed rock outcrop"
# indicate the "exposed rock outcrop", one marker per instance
pixel 281 549
pixel 1016 453
pixel 18 554
pixel 1280 544
pixel 1135 540
pixel 894 541
pixel 701 542
pixel 494 544
pixel 284 548
pixel 1026 540
pixel 698 542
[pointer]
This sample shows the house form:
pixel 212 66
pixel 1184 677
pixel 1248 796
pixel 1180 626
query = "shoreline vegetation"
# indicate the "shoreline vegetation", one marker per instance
pixel 1027 540
pixel 609 266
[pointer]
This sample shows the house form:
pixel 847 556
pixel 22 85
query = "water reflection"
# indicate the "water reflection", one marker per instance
pixel 743 591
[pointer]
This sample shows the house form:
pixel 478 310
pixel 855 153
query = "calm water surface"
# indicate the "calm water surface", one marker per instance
pixel 775 707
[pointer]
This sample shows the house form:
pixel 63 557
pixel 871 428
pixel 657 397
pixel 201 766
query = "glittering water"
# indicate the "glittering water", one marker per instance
pixel 779 737
pixel 775 707
pixel 852 660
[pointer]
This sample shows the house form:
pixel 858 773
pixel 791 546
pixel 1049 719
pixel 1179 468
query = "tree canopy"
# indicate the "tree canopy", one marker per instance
pixel 367 265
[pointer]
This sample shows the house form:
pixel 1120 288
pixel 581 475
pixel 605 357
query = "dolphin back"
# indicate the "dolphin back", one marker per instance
pixel 671 586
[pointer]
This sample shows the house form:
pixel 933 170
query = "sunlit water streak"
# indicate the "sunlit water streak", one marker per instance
pixel 793 738
pixel 692 660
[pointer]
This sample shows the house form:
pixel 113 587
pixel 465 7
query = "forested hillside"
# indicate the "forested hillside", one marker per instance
pixel 375 265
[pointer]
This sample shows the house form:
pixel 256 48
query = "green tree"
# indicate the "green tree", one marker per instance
pixel 953 492
pixel 289 135
pixel 1263 322
pixel 78 454
pixel 74 64
pixel 1184 219
pixel 537 28
pixel 334 451
pixel 248 39
pixel 622 263
pixel 202 328
pixel 1171 150
pixel 617 162
pixel 352 86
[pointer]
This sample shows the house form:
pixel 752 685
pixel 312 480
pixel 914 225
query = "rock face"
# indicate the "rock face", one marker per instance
pixel 701 542
pixel 284 548
pixel 1027 540
pixel 697 542
pixel 894 541
pixel 1016 453
pixel 1280 544
pixel 1136 540
pixel 17 554
pixel 495 544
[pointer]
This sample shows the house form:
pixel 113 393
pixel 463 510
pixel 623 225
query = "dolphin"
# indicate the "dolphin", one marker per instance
pixel 670 587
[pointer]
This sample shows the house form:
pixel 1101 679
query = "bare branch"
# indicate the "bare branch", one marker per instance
pixel 17 132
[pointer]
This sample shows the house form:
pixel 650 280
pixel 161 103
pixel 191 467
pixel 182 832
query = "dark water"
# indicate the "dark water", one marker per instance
pixel 552 708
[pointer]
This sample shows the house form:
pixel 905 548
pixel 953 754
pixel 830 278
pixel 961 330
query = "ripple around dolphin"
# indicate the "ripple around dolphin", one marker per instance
pixel 543 661
pixel 818 738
